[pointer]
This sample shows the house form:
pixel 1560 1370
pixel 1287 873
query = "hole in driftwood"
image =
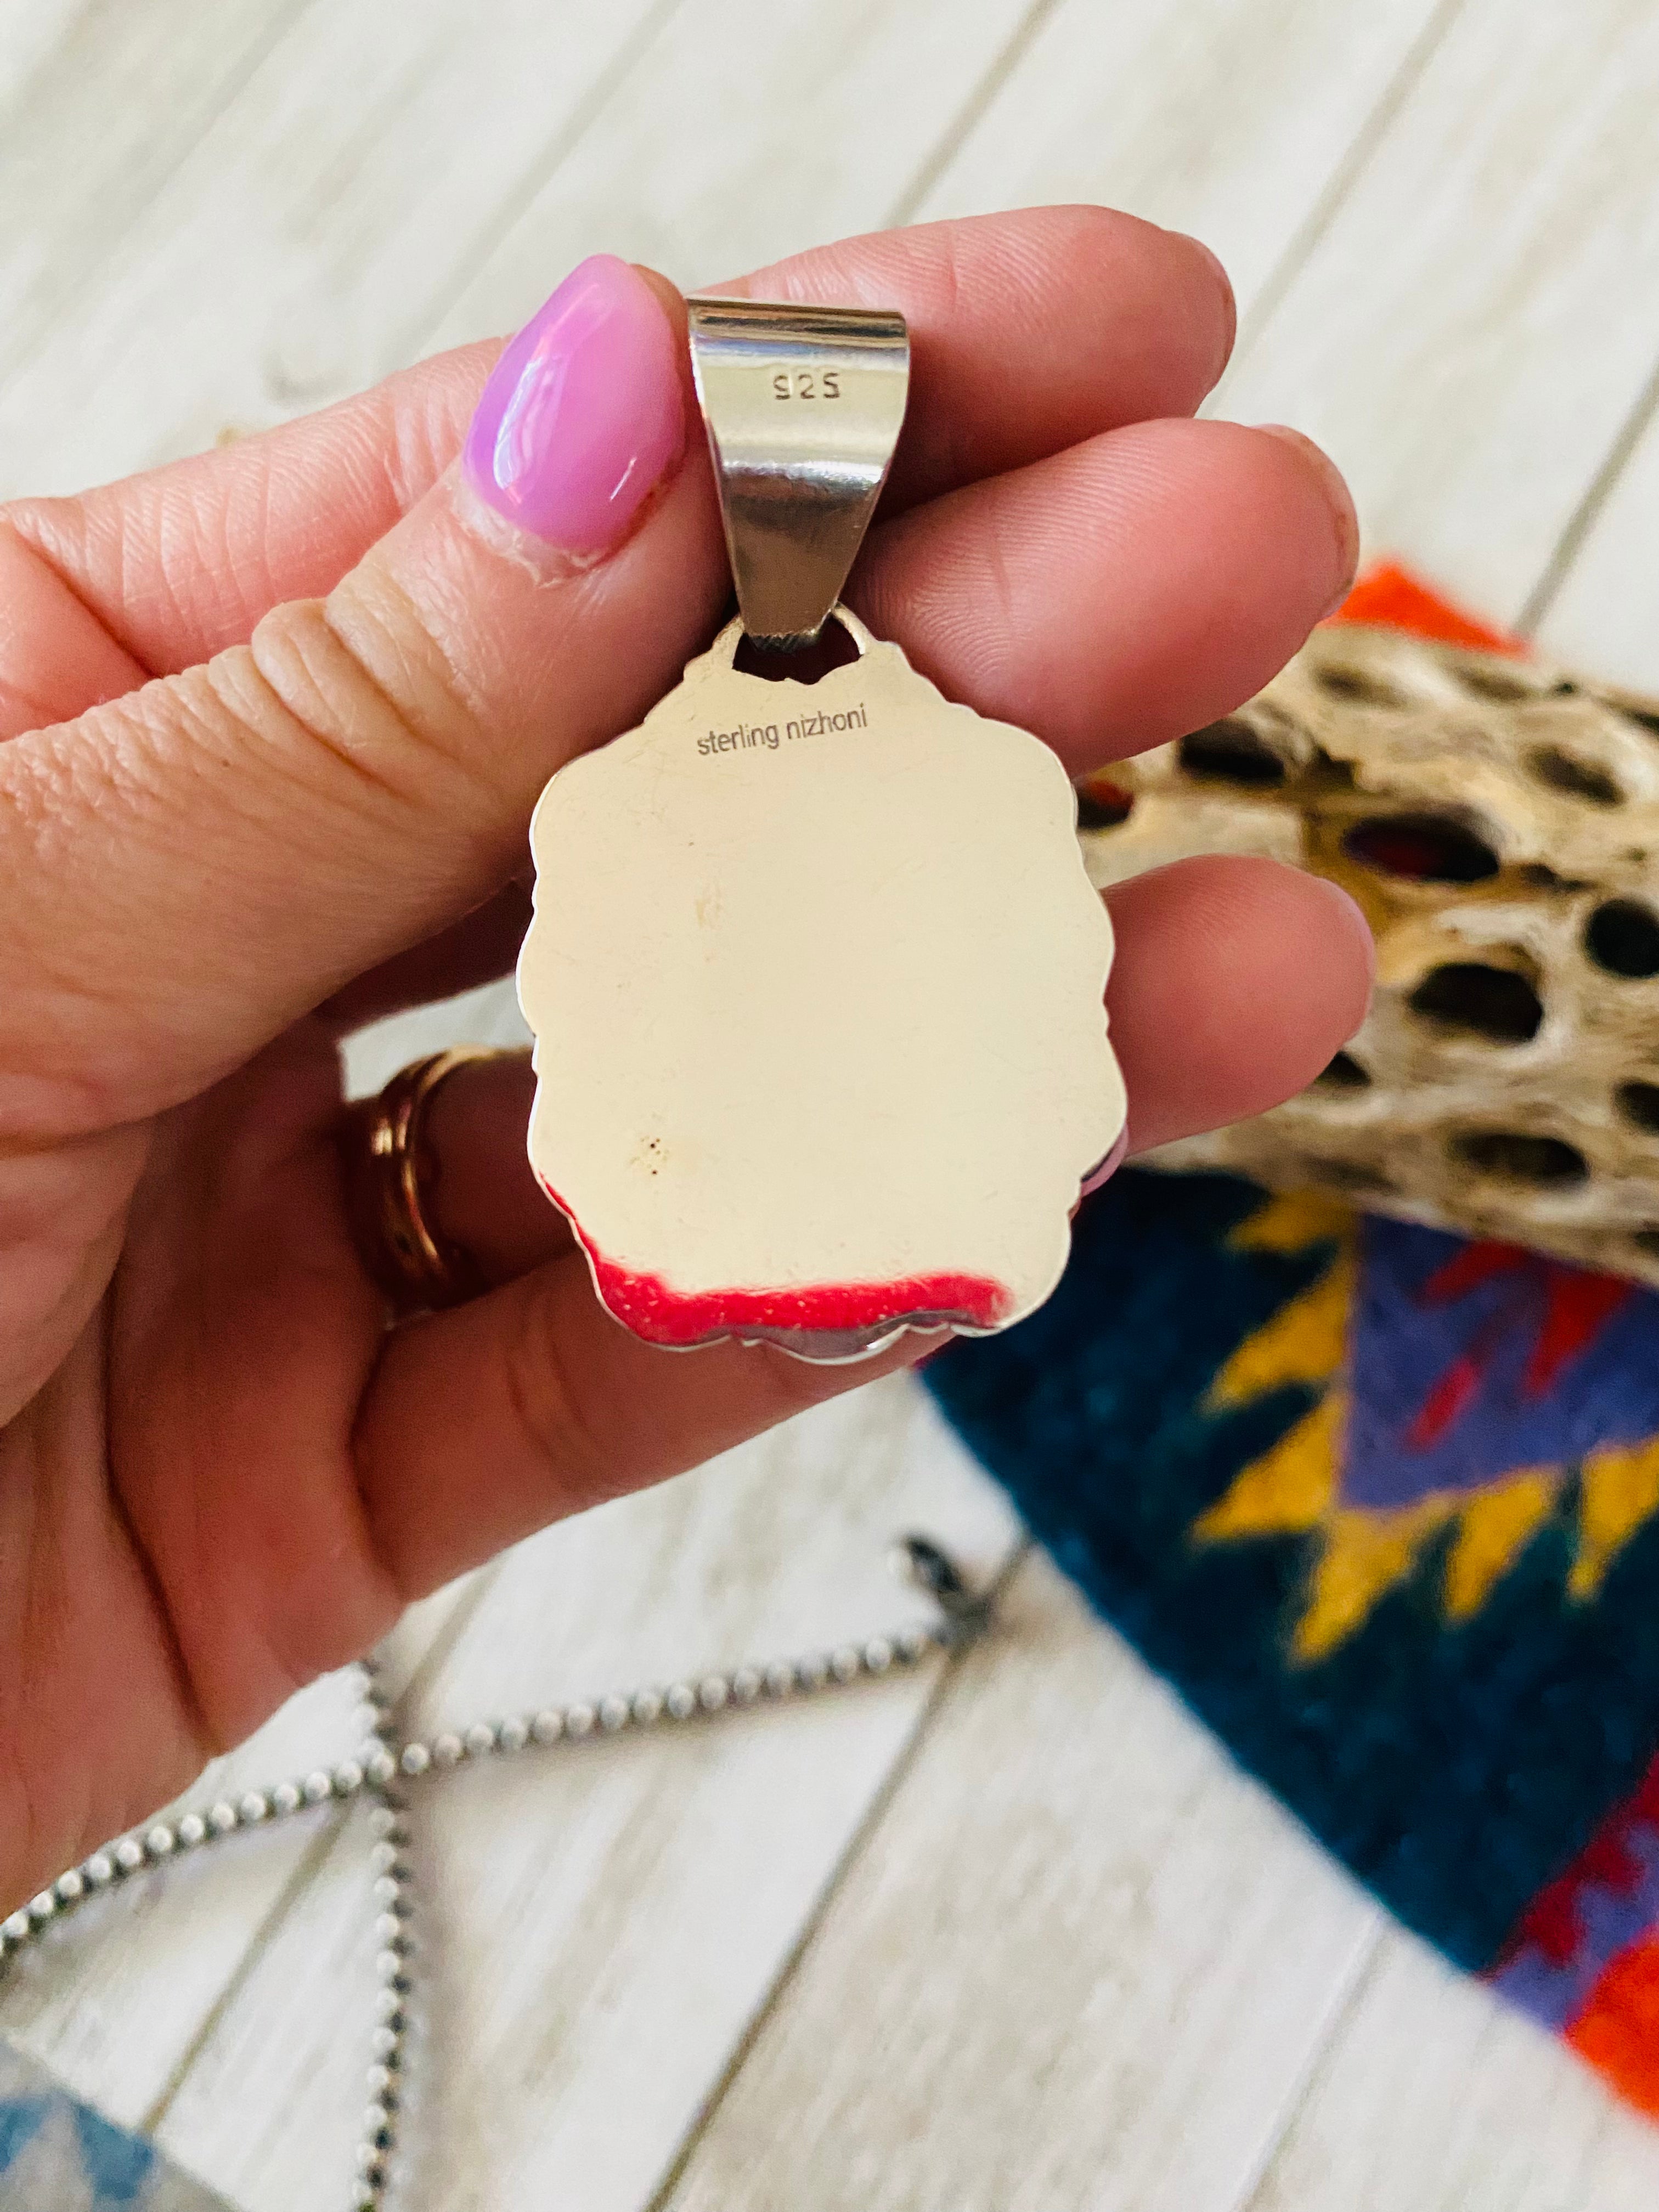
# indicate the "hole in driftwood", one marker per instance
pixel 1351 1177
pixel 1102 805
pixel 1343 1072
pixel 1358 686
pixel 1639 1102
pixel 1230 752
pixel 1520 1157
pixel 1579 779
pixel 1490 1002
pixel 1497 683
pixel 1623 937
pixel 1428 848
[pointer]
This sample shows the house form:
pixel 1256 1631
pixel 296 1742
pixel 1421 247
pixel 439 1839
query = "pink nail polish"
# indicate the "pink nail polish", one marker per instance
pixel 582 414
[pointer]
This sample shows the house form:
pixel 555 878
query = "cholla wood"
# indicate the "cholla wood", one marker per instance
pixel 1498 823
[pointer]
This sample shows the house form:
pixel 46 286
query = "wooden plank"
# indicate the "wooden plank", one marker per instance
pixel 31 30
pixel 1082 1961
pixel 1231 119
pixel 598 1925
pixel 489 1015
pixel 1598 614
pixel 125 93
pixel 1479 316
pixel 163 1950
pixel 1436 2098
pixel 750 130
pixel 337 197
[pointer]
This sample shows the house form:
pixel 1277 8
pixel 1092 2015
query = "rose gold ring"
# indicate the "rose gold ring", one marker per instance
pixel 390 1169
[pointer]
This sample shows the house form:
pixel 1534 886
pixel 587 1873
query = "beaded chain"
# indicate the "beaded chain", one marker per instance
pixel 387 1762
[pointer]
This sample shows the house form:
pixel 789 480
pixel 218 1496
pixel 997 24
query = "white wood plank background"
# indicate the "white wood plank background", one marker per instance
pixel 1013 1934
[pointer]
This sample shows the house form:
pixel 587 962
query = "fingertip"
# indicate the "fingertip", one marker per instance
pixel 1215 298
pixel 1349 917
pixel 1332 490
pixel 1236 980
pixel 1122 593
pixel 1168 286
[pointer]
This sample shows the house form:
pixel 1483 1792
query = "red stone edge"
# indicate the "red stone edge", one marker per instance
pixel 650 1306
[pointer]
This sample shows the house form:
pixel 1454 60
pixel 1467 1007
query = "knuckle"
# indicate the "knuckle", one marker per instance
pixel 377 720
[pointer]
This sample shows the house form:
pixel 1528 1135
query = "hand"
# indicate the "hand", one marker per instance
pixel 273 720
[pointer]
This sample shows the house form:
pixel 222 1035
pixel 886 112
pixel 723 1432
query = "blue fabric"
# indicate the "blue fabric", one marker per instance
pixel 1491 1335
pixel 58 2155
pixel 116 2163
pixel 20 2122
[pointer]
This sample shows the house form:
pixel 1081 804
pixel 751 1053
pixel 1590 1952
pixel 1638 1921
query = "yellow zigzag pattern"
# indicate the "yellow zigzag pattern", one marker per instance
pixel 1294 1488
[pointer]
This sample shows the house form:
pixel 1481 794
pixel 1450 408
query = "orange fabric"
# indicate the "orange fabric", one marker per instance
pixel 1391 597
pixel 1618 2030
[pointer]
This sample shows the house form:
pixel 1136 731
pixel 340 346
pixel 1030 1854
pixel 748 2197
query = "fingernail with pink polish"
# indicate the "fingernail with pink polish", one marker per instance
pixel 582 416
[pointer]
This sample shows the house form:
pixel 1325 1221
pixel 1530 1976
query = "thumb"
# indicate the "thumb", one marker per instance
pixel 190 868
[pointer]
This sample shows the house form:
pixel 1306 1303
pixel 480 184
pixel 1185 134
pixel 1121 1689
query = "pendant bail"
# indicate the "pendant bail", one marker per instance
pixel 803 406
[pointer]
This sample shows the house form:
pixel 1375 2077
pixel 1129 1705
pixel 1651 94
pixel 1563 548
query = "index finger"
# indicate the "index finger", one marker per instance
pixel 1029 332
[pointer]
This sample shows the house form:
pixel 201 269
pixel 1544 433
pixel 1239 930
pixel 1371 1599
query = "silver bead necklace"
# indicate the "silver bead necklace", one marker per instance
pixel 388 1763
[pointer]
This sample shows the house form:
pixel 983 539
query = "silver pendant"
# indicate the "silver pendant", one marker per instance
pixel 815 973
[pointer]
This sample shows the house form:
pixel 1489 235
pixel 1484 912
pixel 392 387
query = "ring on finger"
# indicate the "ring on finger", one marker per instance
pixel 391 1170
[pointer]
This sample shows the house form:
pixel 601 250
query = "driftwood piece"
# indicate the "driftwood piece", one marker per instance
pixel 1499 821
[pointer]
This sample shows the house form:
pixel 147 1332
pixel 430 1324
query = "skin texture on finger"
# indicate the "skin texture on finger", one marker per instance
pixel 480 948
pixel 97 1723
pixel 176 564
pixel 198 865
pixel 1121 593
pixel 56 657
pixel 238 843
pixel 1236 980
pixel 241 1333
pixel 1030 331
pixel 182 1533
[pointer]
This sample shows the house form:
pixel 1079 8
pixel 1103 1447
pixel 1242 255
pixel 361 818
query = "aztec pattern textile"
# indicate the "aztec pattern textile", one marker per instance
pixel 58 2156
pixel 1384 1503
